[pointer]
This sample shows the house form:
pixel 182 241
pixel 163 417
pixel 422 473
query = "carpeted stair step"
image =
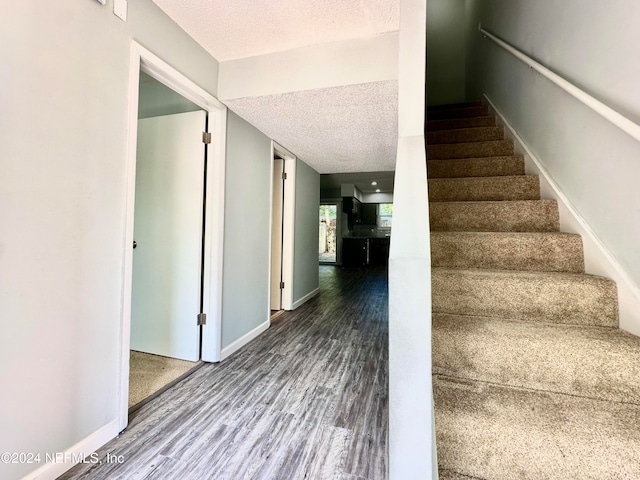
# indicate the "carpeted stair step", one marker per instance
pixel 475 103
pixel 493 432
pixel 465 135
pixel 548 297
pixel 464 112
pixel 458 123
pixel 516 216
pixel 540 251
pixel 517 187
pixel 492 148
pixel 475 167
pixel 602 363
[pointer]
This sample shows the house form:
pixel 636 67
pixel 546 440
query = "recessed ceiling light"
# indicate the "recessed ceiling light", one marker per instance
pixel 374 183
pixel 377 190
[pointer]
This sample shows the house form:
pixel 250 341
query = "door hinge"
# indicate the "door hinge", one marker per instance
pixel 202 319
pixel 281 284
pixel 284 175
pixel 206 137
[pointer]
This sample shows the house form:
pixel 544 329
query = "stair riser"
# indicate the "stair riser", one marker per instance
pixel 496 433
pixel 432 108
pixel 466 135
pixel 524 216
pixel 543 252
pixel 446 114
pixel 457 123
pixel 470 150
pixel 475 167
pixel 561 299
pixel 484 189
pixel 603 364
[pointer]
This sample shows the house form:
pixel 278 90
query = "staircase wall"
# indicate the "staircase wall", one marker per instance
pixel 593 165
pixel 446 43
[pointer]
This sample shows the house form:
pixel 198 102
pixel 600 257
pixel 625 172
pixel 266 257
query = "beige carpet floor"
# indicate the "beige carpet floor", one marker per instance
pixel 150 373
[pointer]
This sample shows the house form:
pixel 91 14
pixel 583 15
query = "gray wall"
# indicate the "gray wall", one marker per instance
pixel 156 99
pixel 591 44
pixel 245 290
pixel 446 37
pixel 305 244
pixel 66 76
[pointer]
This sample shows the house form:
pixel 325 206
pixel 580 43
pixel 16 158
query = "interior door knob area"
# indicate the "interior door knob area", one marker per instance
pixel 135 244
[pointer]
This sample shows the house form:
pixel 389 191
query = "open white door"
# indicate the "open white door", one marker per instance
pixel 276 234
pixel 168 222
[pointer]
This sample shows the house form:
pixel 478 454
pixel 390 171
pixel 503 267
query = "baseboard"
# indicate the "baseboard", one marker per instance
pixel 597 257
pixel 305 299
pixel 242 341
pixel 84 448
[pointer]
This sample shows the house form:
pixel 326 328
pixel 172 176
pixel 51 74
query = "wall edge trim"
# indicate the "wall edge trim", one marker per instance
pixel 306 298
pixel 243 340
pixel 597 257
pixel 86 446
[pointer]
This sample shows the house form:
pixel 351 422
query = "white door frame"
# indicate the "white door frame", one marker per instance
pixel 143 59
pixel 288 222
pixel 338 203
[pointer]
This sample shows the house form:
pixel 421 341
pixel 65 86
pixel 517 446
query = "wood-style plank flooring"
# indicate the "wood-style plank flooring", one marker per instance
pixel 308 399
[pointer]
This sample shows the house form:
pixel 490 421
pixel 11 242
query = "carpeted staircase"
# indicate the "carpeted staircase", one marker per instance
pixel 532 377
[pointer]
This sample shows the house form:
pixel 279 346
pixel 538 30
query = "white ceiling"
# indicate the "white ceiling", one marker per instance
pixel 334 130
pixel 231 29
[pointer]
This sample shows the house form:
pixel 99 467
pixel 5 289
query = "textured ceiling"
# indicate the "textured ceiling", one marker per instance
pixel 334 130
pixel 230 29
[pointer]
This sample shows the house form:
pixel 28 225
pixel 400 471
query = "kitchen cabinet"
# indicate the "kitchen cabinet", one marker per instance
pixel 353 209
pixel 351 205
pixel 369 213
pixel 364 252
pixel 379 251
pixel 355 252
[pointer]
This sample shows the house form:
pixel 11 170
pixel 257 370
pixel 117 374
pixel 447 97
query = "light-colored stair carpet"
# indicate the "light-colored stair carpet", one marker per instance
pixel 532 377
pixel 150 373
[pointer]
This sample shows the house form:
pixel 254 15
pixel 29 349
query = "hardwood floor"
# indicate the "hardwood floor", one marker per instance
pixel 308 399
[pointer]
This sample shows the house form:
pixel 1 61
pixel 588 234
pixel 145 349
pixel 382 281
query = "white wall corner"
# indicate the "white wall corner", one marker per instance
pixel 306 298
pixel 242 341
pixel 597 257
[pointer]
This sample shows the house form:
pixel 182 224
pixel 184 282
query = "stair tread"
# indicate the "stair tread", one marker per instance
pixel 498 188
pixel 465 135
pixel 491 431
pixel 463 112
pixel 548 297
pixel 593 362
pixel 449 106
pixel 476 167
pixel 491 148
pixel 538 251
pixel 495 216
pixel 456 123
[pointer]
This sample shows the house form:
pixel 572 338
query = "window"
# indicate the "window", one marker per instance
pixel 385 212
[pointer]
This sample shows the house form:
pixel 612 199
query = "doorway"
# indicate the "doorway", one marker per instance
pixel 158 218
pixel 277 216
pixel 168 240
pixel 282 230
pixel 328 236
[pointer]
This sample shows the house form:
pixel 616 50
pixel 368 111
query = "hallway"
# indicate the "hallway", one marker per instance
pixel 306 399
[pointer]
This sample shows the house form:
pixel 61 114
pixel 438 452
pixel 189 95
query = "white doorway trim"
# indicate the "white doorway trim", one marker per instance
pixel 143 59
pixel 288 222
